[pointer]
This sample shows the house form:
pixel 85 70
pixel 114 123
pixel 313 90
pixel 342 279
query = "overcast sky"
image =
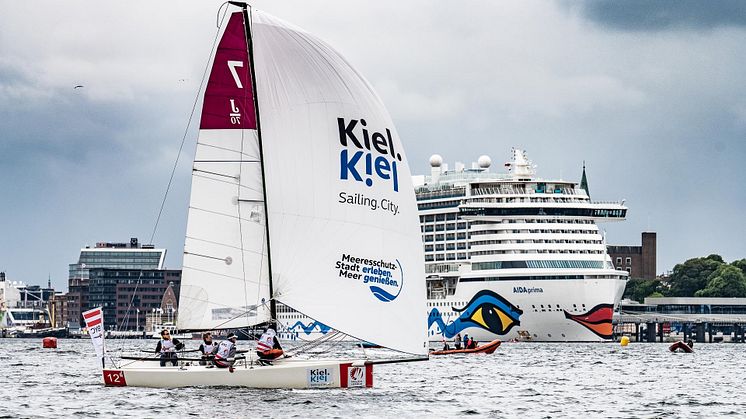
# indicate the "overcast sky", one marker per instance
pixel 652 95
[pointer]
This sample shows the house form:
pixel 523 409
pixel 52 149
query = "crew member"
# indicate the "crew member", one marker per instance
pixel 268 347
pixel 225 352
pixel 167 347
pixel 457 341
pixel 207 348
pixel 472 344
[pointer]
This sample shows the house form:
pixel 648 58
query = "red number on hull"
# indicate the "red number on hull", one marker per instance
pixel 114 378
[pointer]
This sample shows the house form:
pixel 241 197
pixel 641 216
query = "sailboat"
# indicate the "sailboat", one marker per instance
pixel 301 194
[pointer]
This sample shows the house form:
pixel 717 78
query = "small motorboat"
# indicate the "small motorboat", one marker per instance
pixel 484 349
pixel 680 346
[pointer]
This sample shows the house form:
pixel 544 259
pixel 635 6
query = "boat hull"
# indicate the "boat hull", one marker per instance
pixel 484 349
pixel 281 374
pixel 680 347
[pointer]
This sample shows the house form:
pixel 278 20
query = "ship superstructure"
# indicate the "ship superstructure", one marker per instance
pixel 515 256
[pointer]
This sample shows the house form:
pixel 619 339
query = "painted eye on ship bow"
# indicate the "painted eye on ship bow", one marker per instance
pixel 492 318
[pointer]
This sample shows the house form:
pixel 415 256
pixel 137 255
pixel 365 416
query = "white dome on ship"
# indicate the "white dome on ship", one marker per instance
pixel 484 161
pixel 436 160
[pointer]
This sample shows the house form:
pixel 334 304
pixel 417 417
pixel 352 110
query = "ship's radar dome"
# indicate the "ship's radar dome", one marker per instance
pixel 484 161
pixel 436 160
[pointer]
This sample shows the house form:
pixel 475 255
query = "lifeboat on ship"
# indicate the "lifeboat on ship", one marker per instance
pixel 484 349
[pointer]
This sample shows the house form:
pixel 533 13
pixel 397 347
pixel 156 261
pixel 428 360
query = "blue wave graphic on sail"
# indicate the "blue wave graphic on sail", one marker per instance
pixel 323 329
pixel 385 296
pixel 486 310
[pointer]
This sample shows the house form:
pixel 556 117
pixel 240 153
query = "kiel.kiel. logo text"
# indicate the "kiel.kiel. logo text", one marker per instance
pixel 361 163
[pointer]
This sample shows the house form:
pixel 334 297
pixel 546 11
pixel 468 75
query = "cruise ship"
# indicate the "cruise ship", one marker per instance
pixel 509 256
pixel 513 256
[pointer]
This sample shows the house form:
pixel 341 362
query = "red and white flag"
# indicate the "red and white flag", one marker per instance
pixel 94 322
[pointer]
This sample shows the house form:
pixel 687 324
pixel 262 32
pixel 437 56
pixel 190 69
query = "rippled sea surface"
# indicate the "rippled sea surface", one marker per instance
pixel 518 380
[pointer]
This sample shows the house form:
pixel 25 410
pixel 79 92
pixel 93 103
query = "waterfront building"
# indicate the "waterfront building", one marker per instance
pixel 131 256
pixel 128 295
pixel 638 261
pixel 24 306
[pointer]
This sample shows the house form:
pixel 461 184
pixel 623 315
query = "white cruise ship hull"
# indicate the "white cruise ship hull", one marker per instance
pixel 578 310
pixel 551 311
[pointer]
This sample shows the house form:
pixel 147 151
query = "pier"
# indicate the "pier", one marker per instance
pixel 654 327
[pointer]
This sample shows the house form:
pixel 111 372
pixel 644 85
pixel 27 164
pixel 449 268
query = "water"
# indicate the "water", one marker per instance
pixel 519 379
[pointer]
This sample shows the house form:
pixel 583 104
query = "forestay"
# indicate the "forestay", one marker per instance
pixel 345 243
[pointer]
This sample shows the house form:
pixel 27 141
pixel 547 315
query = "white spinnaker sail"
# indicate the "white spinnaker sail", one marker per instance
pixel 345 243
pixel 225 277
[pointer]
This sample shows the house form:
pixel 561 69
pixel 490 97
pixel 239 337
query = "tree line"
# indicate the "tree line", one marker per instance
pixel 707 276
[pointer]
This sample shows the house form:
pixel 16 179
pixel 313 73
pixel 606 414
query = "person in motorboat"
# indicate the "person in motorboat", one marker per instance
pixel 167 347
pixel 457 341
pixel 268 347
pixel 225 352
pixel 446 347
pixel 471 344
pixel 466 340
pixel 207 348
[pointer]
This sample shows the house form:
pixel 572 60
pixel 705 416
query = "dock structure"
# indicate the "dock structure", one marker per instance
pixel 701 319
pixel 652 327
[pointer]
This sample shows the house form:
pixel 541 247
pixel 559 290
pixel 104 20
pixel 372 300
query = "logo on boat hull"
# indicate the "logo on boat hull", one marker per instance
pixel 384 279
pixel 597 320
pixel 319 377
pixel 486 310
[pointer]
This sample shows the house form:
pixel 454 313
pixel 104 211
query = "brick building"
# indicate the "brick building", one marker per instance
pixel 128 295
pixel 639 261
pixel 127 256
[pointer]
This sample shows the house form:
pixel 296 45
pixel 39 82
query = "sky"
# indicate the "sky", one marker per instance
pixel 651 95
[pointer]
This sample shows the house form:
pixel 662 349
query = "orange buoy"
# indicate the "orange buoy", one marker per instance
pixel 49 342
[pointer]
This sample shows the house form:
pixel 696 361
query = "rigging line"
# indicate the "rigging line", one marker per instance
pixel 186 131
pixel 125 321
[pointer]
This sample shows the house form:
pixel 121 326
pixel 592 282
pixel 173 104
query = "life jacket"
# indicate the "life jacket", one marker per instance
pixel 266 342
pixel 167 345
pixel 224 349
pixel 207 348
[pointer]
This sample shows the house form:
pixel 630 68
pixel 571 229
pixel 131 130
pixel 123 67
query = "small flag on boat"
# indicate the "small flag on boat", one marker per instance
pixel 94 322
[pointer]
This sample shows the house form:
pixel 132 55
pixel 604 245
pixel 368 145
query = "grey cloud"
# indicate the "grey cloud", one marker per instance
pixel 645 15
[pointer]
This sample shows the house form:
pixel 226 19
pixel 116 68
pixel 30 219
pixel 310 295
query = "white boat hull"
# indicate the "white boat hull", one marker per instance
pixel 282 374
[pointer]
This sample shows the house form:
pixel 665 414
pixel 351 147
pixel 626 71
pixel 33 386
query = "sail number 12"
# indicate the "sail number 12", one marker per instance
pixel 114 378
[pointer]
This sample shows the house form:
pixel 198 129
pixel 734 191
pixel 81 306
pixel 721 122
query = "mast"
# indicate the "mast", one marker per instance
pixel 249 41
